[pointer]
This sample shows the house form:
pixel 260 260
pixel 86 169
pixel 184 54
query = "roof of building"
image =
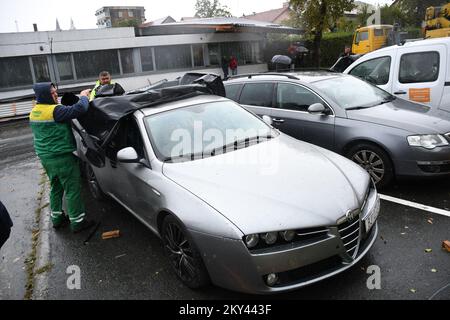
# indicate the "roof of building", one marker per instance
pixel 218 24
pixel 268 16
pixel 156 22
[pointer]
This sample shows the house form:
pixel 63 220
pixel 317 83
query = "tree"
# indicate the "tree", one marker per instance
pixel 210 8
pixel 393 14
pixel 126 23
pixel 364 14
pixel 316 16
pixel 415 9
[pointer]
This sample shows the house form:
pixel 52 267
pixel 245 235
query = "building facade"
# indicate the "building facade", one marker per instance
pixel 74 58
pixel 108 17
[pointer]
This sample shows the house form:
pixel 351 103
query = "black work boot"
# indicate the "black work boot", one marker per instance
pixel 83 225
pixel 64 222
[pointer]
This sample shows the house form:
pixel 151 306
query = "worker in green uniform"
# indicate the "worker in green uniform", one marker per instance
pixel 103 78
pixel 54 143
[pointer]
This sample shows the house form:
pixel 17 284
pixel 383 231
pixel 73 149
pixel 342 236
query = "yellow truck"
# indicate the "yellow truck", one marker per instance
pixel 437 22
pixel 371 38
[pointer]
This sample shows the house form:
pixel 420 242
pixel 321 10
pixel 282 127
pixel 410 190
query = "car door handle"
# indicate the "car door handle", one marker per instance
pixel 400 92
pixel 278 120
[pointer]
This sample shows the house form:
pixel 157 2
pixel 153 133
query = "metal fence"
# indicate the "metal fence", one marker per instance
pixel 16 108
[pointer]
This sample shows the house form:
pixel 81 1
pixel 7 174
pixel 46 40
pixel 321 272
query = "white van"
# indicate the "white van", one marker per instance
pixel 418 71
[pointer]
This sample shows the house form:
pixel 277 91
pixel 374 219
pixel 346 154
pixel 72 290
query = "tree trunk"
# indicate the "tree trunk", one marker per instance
pixel 318 33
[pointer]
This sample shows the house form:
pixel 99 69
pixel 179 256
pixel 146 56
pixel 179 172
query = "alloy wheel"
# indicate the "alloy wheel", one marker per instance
pixel 371 162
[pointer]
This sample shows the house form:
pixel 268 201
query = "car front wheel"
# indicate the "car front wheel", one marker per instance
pixel 375 161
pixel 184 257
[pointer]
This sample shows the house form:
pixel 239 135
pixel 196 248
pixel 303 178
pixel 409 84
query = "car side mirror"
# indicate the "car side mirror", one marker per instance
pixel 267 120
pixel 317 108
pixel 128 155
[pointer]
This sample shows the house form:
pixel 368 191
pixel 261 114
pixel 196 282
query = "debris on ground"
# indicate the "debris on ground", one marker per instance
pixel 111 234
pixel 428 250
pixel 120 256
pixel 446 245
pixel 433 270
pixel 413 290
pixel 430 221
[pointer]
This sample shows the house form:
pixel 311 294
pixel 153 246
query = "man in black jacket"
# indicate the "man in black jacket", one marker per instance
pixel 5 224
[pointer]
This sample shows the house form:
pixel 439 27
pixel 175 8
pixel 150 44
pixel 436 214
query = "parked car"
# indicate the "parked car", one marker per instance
pixel 220 217
pixel 416 71
pixel 386 136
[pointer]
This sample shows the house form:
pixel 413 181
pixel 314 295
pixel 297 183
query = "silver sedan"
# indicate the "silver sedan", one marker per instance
pixel 236 202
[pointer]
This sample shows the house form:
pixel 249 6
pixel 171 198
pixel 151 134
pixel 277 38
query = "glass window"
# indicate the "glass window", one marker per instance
pixel 241 50
pixel 293 97
pixel 15 72
pixel 224 122
pixel 198 55
pixel 40 66
pixel 147 59
pixel 350 92
pixel 126 59
pixel 120 13
pixel 64 65
pixel 362 36
pixel 173 57
pixel 214 54
pixel 130 14
pixel 379 32
pixel 257 94
pixel 419 67
pixel 376 70
pixel 90 63
pixel 232 91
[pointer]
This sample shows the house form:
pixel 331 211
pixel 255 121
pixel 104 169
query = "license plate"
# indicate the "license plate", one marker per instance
pixel 373 215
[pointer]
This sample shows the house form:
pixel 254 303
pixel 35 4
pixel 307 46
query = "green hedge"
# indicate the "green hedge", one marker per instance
pixel 332 46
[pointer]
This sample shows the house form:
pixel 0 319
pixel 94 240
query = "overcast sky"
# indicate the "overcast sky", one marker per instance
pixel 22 14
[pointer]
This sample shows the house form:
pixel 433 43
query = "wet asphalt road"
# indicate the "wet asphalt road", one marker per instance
pixel 134 266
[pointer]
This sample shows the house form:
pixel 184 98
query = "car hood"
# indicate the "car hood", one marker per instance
pixel 275 185
pixel 406 115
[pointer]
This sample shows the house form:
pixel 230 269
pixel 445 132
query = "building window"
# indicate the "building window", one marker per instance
pixel 173 57
pixel 126 59
pixel 130 14
pixel 147 59
pixel 241 50
pixel 214 54
pixel 89 64
pixel 197 49
pixel 64 65
pixel 15 72
pixel 120 13
pixel 40 66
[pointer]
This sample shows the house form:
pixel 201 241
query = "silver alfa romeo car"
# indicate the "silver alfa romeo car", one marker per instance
pixel 260 213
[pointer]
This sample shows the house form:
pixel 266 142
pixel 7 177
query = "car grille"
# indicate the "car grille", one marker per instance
pixel 349 232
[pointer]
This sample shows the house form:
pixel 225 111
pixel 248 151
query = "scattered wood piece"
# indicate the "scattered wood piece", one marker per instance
pixel 111 234
pixel 446 245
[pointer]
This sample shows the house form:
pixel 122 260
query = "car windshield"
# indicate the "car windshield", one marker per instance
pixel 204 130
pixel 352 93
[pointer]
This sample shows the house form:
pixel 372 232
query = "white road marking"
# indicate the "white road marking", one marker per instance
pixel 416 205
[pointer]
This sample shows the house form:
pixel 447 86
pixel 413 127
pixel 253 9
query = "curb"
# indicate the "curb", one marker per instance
pixel 40 291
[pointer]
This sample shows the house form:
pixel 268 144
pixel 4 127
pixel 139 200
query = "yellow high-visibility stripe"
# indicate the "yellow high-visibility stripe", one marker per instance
pixel 42 113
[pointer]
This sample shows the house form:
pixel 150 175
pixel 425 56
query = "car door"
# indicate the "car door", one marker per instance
pixel 291 115
pixel 376 71
pixel 420 74
pixel 132 181
pixel 257 97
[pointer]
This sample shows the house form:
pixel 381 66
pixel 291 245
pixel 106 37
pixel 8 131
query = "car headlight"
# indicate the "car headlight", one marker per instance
pixel 427 141
pixel 251 240
pixel 288 235
pixel 270 237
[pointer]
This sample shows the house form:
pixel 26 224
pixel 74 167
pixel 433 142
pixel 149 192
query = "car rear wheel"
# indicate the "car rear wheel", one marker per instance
pixel 94 186
pixel 375 161
pixel 184 257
